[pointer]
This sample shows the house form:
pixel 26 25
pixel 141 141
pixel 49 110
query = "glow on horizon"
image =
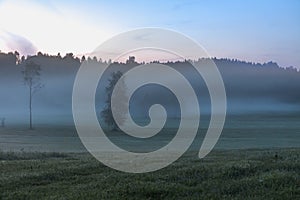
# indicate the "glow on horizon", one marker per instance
pixel 49 30
pixel 256 31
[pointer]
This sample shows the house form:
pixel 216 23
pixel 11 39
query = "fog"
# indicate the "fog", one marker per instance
pixel 250 88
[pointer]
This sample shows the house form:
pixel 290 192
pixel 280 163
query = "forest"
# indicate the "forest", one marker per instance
pixel 250 87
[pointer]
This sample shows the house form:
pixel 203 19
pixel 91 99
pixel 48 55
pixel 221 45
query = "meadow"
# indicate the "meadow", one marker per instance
pixel 223 174
pixel 256 157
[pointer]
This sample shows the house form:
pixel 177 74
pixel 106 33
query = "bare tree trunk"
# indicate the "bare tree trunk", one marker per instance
pixel 31 78
pixel 30 106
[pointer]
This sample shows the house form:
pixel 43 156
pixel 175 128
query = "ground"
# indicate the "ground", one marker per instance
pixel 223 174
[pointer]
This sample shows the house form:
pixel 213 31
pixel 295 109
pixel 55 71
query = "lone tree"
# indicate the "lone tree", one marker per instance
pixel 120 108
pixel 31 74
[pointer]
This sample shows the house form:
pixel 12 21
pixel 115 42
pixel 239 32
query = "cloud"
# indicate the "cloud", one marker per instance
pixel 57 28
pixel 14 42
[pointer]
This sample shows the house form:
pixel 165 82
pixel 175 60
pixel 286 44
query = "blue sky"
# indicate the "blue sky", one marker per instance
pixel 257 31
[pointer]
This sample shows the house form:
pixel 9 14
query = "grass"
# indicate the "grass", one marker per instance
pixel 230 174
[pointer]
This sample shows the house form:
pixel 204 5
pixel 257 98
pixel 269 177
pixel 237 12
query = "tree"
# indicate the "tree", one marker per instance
pixel 82 59
pixel 17 57
pixel 31 74
pixel 95 59
pixel 121 109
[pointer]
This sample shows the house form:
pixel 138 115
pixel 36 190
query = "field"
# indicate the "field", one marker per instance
pixel 229 174
pixel 273 130
pixel 256 157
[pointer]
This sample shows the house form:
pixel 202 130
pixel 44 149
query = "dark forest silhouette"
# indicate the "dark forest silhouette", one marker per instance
pixel 250 87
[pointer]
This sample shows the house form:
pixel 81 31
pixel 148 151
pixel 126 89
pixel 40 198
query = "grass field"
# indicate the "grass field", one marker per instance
pixel 229 174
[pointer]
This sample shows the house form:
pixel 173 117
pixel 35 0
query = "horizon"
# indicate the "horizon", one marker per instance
pixel 123 59
pixel 253 31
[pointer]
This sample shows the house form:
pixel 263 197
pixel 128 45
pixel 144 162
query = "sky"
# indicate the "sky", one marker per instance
pixel 256 31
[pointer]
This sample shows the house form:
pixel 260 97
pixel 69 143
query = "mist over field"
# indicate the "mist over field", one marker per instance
pixel 150 99
pixel 263 104
pixel 250 88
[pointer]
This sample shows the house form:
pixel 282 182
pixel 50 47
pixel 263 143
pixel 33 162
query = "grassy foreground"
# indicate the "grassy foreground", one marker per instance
pixel 231 174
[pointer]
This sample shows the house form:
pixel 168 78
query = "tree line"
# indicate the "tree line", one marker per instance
pixel 243 80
